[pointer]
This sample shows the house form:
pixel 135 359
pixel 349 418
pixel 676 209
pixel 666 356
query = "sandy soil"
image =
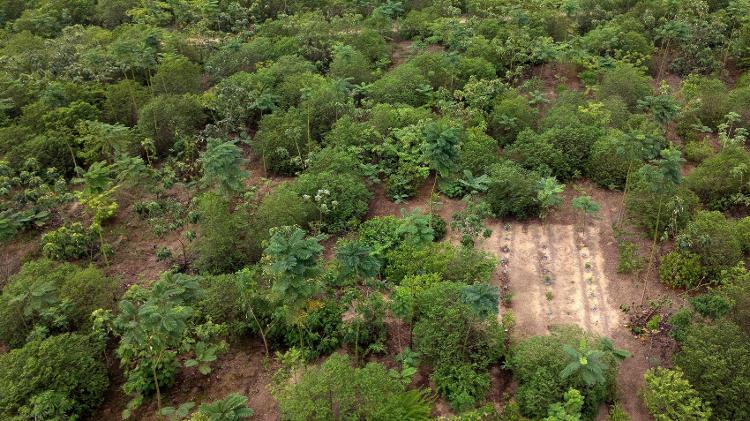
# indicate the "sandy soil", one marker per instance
pixel 561 271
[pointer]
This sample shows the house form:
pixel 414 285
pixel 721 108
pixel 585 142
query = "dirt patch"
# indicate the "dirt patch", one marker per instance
pixel 243 370
pixel 564 271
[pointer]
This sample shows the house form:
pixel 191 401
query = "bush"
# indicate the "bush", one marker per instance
pixel 281 142
pixel 668 396
pixel 612 158
pixel 283 206
pixel 350 63
pixel 708 99
pixel 478 152
pixel 698 151
pixel 511 114
pixel 681 269
pixel 537 363
pixel 123 102
pixel 400 86
pixel 70 242
pixel 381 234
pixel 167 116
pixel 712 237
pixel 322 332
pixel 712 304
pixel 346 201
pixel 459 343
pixel 666 211
pixel 46 298
pixel 536 153
pixel 513 191
pixel 335 387
pixel 716 361
pixel 627 82
pixel 223 242
pixel 452 263
pixel 742 230
pixel 70 366
pixel 574 142
pixel 177 75
pixel 719 177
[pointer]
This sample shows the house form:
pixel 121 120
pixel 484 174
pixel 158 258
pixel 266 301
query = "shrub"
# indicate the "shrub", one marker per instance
pixel 536 153
pixel 50 150
pixel 712 237
pixel 223 244
pixel 681 322
pixel 459 342
pixel 627 82
pixel 70 242
pixel 716 361
pixel 322 332
pixel 668 396
pixel 719 177
pixel 708 99
pixel 513 191
pixel 478 152
pixel 400 86
pixel 742 230
pixel 453 264
pixel 574 142
pixel 681 269
pixel 344 198
pixel 335 387
pixel 387 117
pixel 177 75
pixel 47 297
pixel 698 151
pixel 511 114
pixel 538 362
pixel 123 102
pixel 666 211
pixel 70 366
pixel 381 234
pixel 167 116
pixel 282 142
pixel 283 206
pixel 712 304
pixel 612 158
pixel 350 63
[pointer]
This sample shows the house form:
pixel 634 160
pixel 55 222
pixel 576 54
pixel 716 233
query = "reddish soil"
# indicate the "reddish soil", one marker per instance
pixel 244 369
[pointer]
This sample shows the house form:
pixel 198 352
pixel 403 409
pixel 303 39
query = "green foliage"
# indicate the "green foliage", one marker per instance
pixel 293 258
pixel 232 408
pixel 513 191
pixel 681 269
pixel 223 245
pixel 350 64
pixel 712 304
pixel 538 362
pixel 177 75
pixel 454 264
pixel 669 396
pixel 458 335
pixel 402 85
pixel 167 117
pixel 719 177
pixel 281 141
pixel 70 242
pixel 356 260
pixel 155 329
pixel 335 387
pixel 714 359
pixel 713 238
pixel 342 198
pixel 222 167
pixel 470 221
pixel 568 410
pixel 613 158
pixel 511 114
pixel 627 82
pixel 46 298
pixel 64 374
pixel 698 151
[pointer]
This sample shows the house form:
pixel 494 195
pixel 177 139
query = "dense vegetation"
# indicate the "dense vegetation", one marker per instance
pixel 250 145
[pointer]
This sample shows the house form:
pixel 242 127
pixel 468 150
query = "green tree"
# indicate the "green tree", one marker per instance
pixel 222 167
pixel 155 328
pixel 670 397
pixel 293 258
pixel 356 260
pixel 586 205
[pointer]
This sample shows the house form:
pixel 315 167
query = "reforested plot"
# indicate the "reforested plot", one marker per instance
pixel 374 209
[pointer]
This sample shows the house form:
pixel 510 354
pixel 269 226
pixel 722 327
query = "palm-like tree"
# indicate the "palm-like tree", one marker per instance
pixel 588 363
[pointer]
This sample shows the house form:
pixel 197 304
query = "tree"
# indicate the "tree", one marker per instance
pixel 586 205
pixel 549 195
pixel 222 167
pixel 356 260
pixel 670 397
pixel 155 327
pixel 293 260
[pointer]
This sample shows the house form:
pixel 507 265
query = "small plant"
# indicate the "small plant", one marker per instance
pixel 630 261
pixel 586 206
pixel 70 242
pixel 549 295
